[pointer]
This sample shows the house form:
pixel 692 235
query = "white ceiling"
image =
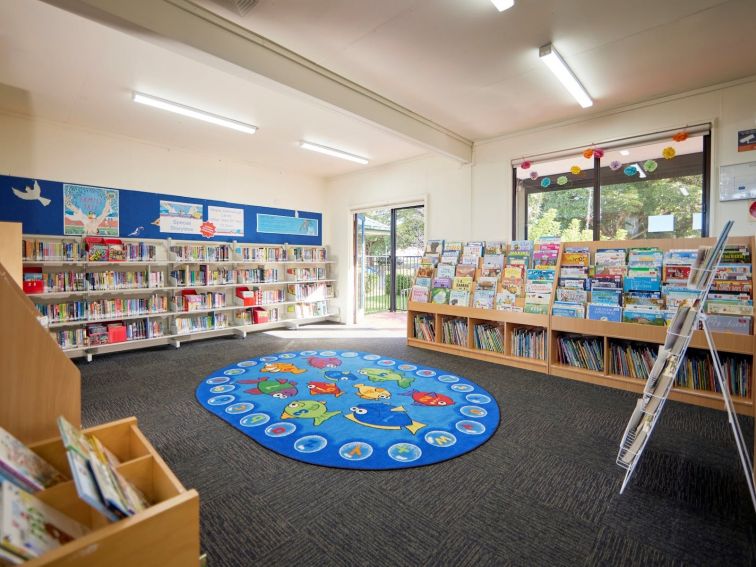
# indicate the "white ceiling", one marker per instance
pixel 459 63
pixel 476 71
pixel 62 67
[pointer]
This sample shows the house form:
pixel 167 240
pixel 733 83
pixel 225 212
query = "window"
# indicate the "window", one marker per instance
pixel 648 196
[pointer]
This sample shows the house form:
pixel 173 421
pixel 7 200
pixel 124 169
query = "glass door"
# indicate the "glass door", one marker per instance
pixel 388 246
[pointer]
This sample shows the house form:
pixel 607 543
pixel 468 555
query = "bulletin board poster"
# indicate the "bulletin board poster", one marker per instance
pixel 180 218
pixel 90 211
pixel 228 221
pixel 277 224
pixel 747 140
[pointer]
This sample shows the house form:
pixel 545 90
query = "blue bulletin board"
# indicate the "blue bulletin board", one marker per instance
pixel 40 206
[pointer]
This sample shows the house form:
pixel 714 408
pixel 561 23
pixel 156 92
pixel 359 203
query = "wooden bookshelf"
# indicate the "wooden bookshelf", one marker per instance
pixel 165 534
pixel 39 383
pixel 10 244
pixel 604 330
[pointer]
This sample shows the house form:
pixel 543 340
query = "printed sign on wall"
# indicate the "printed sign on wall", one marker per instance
pixel 90 210
pixel 277 224
pixel 747 140
pixel 182 218
pixel 227 221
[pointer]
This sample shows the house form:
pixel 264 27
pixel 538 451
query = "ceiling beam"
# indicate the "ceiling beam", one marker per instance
pixel 184 23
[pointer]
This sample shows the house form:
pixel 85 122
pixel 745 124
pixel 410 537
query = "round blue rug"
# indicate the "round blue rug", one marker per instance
pixel 352 410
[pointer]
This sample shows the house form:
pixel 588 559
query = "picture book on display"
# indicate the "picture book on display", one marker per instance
pixel 23 467
pixel 93 469
pixel 29 527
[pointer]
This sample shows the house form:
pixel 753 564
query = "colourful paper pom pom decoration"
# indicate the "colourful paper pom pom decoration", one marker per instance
pixel 562 180
pixel 575 170
pixel 650 165
pixel 545 182
pixel 534 175
pixel 525 165
pixel 631 170
pixel 598 152
pixel 680 137
pixel 588 154
pixel 615 165
pixel 669 152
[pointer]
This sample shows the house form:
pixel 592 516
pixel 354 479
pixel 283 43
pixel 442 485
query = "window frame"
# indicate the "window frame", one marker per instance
pixel 596 186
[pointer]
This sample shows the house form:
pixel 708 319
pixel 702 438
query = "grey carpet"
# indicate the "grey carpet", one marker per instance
pixel 543 491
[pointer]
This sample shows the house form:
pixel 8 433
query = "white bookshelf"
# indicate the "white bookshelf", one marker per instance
pixel 173 267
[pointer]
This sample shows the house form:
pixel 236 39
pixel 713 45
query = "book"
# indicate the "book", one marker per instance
pixel 504 299
pixel 424 272
pixel 434 246
pixel 462 284
pixel 469 260
pixel 571 295
pixel 483 298
pixel 440 295
pixel 536 308
pixel 445 271
pixel 601 312
pixel 643 316
pixel 493 247
pixel 86 484
pixel 23 467
pixel 72 438
pixel 465 271
pixel 442 282
pixel 29 527
pixel 419 294
pixel 606 296
pixel 521 246
pixel 515 286
pixel 459 297
pixel 423 282
pixel 473 249
pixel 487 283
pixel 568 309
pixel 453 246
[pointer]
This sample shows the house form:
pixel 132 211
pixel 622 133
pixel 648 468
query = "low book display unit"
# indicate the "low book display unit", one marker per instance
pixel 39 385
pixel 585 309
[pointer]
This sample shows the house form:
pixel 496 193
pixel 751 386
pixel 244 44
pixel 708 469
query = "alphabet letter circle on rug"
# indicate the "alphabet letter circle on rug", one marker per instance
pixel 351 410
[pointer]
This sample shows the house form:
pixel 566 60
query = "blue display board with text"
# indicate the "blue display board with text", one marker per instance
pixel 59 208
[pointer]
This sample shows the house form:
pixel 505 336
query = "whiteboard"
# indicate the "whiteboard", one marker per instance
pixel 737 182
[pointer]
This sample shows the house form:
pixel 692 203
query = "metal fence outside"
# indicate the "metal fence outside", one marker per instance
pixel 377 282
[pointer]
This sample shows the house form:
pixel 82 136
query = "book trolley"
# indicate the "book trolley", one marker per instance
pixel 165 292
pixel 39 384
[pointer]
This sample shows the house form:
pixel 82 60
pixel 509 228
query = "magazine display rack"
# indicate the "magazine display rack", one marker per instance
pixel 605 332
pixel 39 383
pixel 679 335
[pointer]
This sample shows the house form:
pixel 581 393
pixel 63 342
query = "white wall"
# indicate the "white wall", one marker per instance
pixel 444 185
pixel 729 109
pixel 474 202
pixel 60 152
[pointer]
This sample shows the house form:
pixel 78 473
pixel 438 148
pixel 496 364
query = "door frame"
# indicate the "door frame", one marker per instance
pixel 408 202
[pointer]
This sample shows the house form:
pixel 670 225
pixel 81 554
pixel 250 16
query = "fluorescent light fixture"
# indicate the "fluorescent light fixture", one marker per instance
pixel 556 64
pixel 502 5
pixel 684 191
pixel 625 152
pixel 332 152
pixel 184 110
pixel 640 171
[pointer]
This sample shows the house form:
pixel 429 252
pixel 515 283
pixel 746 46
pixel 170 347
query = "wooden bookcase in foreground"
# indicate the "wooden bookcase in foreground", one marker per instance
pixel 39 383
pixel 603 331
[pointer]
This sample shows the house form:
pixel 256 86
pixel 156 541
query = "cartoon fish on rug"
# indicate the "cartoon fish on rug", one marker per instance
pixel 372 392
pixel 383 416
pixel 385 375
pixel 432 399
pixel 282 367
pixel 337 375
pixel 318 362
pixel 279 388
pixel 308 409
pixel 318 388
